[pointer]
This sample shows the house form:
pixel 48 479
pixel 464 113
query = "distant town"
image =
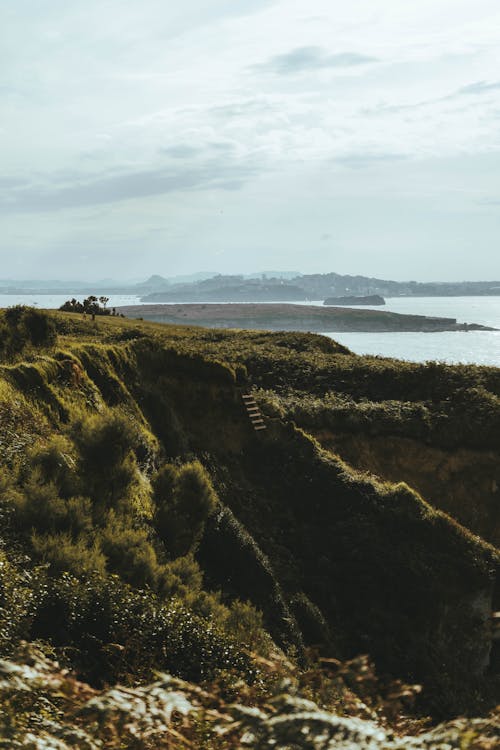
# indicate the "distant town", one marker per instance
pixel 266 287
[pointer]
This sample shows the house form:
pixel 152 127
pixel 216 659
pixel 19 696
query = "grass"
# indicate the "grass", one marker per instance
pixel 144 483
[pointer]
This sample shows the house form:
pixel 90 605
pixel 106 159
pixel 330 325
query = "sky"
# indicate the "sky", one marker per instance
pixel 236 136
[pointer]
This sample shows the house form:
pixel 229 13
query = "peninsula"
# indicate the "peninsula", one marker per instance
pixel 290 317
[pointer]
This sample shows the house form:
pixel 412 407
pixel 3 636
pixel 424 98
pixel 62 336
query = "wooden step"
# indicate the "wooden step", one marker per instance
pixel 252 408
pixel 257 421
pixel 260 427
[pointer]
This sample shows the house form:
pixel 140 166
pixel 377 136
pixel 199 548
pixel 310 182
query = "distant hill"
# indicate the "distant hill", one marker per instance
pixel 318 287
pixel 276 286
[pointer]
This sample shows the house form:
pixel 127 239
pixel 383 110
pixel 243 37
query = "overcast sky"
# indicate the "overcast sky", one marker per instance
pixel 250 135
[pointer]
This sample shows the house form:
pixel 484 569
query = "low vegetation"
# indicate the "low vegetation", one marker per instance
pixel 146 527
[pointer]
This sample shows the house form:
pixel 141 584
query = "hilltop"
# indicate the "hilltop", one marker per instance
pixel 147 527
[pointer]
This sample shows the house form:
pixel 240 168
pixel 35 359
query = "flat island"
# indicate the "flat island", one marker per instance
pixel 290 317
pixel 370 299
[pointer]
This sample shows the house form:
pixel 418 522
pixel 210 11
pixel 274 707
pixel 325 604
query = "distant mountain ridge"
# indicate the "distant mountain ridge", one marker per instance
pixel 310 287
pixel 276 286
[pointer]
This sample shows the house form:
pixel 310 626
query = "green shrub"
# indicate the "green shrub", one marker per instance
pixel 105 440
pixel 39 328
pixel 53 462
pixel 39 506
pixel 18 603
pixel 63 554
pixel 184 498
pixel 107 464
pixel 182 579
pixel 26 327
pixel 246 625
pixel 130 554
pixel 115 633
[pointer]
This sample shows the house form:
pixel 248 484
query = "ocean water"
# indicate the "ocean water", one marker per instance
pixel 467 347
pixel 54 301
pixel 472 347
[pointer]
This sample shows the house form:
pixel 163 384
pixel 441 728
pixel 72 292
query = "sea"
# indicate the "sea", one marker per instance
pixel 467 347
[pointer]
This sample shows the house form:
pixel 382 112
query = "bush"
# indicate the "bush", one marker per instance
pixel 40 329
pixel 184 499
pixel 53 462
pixel 246 624
pixel 40 507
pixel 104 441
pixel 25 327
pixel 64 555
pixel 130 554
pixel 108 467
pixel 18 602
pixel 116 632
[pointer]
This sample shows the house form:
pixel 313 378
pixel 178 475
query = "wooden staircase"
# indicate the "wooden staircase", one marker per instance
pixel 253 412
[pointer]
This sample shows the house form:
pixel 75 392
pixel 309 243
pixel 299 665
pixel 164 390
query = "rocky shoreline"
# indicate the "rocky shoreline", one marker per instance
pixel 290 317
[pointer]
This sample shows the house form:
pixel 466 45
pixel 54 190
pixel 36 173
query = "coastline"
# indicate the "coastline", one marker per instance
pixel 292 317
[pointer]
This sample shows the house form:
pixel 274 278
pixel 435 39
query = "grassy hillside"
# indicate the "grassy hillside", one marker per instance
pixel 147 526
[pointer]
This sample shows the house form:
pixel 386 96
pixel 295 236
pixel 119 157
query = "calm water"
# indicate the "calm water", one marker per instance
pixel 472 347
pixel 479 347
pixel 53 301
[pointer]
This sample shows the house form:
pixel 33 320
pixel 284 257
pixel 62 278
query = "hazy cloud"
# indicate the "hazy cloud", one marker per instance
pixel 303 59
pixel 489 202
pixel 187 151
pixel 480 87
pixel 182 151
pixel 249 131
pixel 7 183
pixel 126 186
pixel 363 160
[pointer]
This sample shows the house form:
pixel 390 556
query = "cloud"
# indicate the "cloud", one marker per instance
pixel 489 202
pixel 479 87
pixel 181 151
pixel 364 160
pixel 126 186
pixel 303 59
pixel 186 151
pixel 7 183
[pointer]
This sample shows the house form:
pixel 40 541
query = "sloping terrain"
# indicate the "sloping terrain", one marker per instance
pixel 147 525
